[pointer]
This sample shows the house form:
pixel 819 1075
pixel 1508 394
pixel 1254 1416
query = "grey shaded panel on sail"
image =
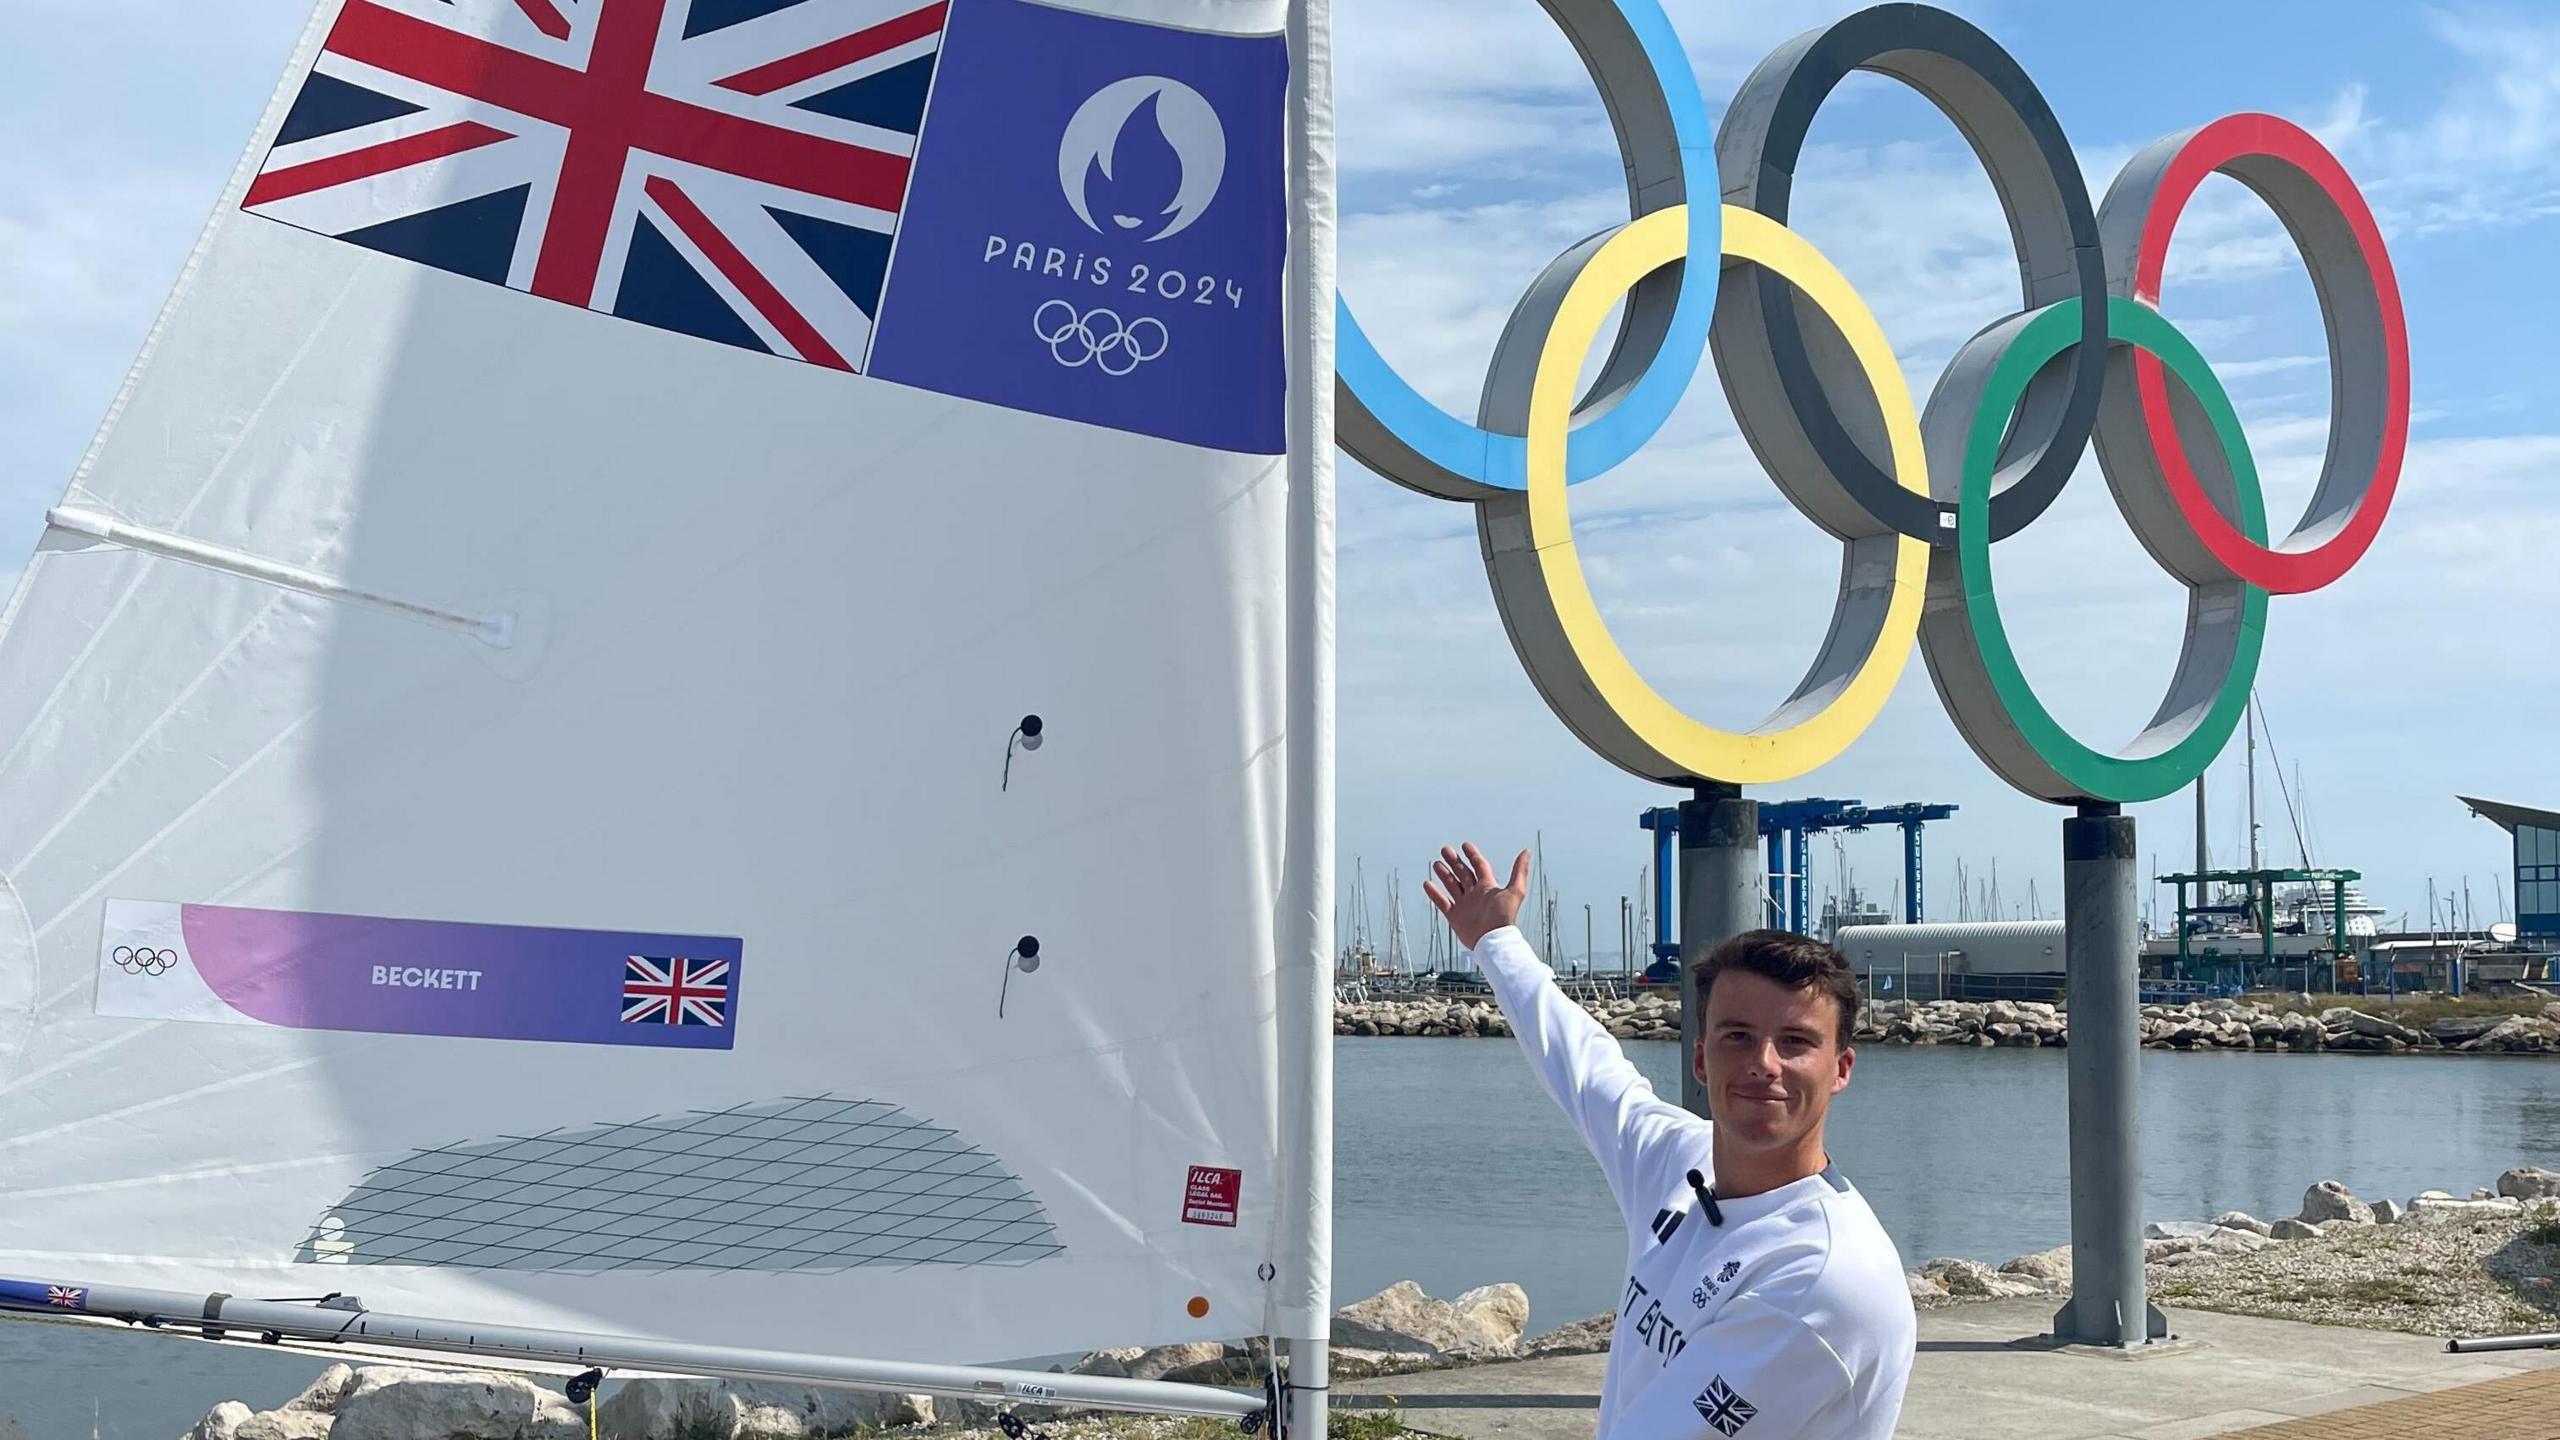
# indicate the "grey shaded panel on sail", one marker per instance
pixel 805 1184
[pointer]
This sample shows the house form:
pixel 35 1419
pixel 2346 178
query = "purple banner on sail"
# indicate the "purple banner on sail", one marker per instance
pixel 227 965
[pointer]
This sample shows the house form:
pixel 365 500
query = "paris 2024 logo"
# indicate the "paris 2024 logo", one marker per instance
pixel 1097 225
pixel 1141 160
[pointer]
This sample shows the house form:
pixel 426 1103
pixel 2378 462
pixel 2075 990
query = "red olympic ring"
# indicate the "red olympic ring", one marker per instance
pixel 2223 146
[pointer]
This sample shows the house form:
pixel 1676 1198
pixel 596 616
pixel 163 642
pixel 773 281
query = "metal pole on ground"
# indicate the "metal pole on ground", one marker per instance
pixel 1720 882
pixel 2109 1304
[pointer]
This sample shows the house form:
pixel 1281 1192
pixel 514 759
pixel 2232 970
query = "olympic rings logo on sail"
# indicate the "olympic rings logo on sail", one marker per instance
pixel 1099 337
pixel 1916 494
pixel 144 960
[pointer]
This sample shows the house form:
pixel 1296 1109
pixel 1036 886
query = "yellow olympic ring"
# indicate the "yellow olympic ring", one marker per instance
pixel 1872 635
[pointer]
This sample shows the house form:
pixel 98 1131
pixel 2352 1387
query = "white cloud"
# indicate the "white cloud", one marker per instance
pixel 2488 154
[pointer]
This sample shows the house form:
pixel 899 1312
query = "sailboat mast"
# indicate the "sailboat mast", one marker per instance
pixel 1302 1293
pixel 2252 715
pixel 2204 854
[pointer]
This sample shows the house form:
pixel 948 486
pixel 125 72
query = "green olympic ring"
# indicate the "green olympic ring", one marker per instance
pixel 1961 633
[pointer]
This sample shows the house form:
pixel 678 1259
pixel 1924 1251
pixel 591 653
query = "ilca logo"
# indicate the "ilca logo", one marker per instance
pixel 1141 161
pixel 143 960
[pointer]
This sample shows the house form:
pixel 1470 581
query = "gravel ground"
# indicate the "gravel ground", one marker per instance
pixel 2465 1277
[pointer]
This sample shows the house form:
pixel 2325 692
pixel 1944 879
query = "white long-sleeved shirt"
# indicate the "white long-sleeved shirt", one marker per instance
pixel 1789 1321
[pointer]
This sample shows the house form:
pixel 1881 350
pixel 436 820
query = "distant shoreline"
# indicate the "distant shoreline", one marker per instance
pixel 2299 1025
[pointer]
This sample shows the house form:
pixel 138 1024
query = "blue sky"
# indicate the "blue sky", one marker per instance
pixel 1474 151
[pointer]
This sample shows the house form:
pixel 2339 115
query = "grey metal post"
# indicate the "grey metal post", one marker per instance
pixel 2102 947
pixel 1719 898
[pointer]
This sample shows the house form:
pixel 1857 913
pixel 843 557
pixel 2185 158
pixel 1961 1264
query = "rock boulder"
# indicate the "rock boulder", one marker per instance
pixel 2047 1270
pixel 1401 1319
pixel 321 1396
pixel 1164 1360
pixel 286 1425
pixel 222 1422
pixel 1973 1280
pixel 2330 1200
pixel 2429 1210
pixel 1582 1337
pixel 747 1410
pixel 2455 1029
pixel 1499 1313
pixel 2529 1182
pixel 2178 1230
pixel 2292 1230
pixel 388 1402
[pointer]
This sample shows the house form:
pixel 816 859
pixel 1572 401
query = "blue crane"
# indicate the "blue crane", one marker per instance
pixel 1789 826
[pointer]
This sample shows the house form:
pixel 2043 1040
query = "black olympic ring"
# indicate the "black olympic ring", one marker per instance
pixel 1779 373
pixel 144 961
pixel 1080 333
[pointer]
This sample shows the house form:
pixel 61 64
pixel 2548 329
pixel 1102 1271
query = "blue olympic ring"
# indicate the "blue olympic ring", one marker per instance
pixel 1474 463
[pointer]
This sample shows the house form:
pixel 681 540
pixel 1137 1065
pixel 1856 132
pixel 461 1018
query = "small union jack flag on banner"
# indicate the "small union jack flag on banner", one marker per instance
pixel 728 169
pixel 68 1297
pixel 658 991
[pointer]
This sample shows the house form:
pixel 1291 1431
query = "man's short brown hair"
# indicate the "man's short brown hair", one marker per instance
pixel 1797 962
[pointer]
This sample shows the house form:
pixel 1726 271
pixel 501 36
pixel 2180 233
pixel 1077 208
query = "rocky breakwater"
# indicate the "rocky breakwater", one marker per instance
pixel 1396 1330
pixel 2213 1025
pixel 2025 1024
pixel 391 1402
pixel 1647 1017
pixel 2434 1264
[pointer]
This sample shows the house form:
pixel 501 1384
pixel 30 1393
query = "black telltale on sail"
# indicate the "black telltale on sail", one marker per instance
pixel 1025 734
pixel 1025 956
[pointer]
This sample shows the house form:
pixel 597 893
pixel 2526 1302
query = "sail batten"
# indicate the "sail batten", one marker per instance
pixel 500 799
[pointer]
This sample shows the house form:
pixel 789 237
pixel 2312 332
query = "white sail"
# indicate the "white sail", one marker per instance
pixel 514 793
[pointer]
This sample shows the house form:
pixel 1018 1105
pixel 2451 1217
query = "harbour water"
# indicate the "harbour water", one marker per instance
pixel 1453 1170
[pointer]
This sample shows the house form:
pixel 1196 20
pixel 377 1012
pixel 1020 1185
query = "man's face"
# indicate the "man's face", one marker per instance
pixel 1771 1058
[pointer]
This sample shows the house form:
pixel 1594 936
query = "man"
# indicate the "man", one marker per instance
pixel 1763 1301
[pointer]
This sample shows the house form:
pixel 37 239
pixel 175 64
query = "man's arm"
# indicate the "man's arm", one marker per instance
pixel 1583 1067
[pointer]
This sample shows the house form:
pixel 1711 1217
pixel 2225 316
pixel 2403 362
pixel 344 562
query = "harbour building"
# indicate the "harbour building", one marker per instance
pixel 2537 863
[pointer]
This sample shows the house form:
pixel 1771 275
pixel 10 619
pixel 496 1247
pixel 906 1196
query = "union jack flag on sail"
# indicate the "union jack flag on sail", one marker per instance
pixel 664 991
pixel 728 169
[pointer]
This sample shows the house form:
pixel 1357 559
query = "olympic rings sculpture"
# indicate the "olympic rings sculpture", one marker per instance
pixel 1915 494
pixel 144 961
pixel 1099 337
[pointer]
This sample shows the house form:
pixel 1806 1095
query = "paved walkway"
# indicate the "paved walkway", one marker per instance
pixel 1983 1374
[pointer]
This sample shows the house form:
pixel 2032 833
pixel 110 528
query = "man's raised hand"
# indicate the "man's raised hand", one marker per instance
pixel 1464 893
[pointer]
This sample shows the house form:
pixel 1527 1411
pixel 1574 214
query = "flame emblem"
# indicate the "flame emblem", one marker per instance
pixel 1143 157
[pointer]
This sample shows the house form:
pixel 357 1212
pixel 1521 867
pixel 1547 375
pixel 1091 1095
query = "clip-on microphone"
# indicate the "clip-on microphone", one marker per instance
pixel 1706 1197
